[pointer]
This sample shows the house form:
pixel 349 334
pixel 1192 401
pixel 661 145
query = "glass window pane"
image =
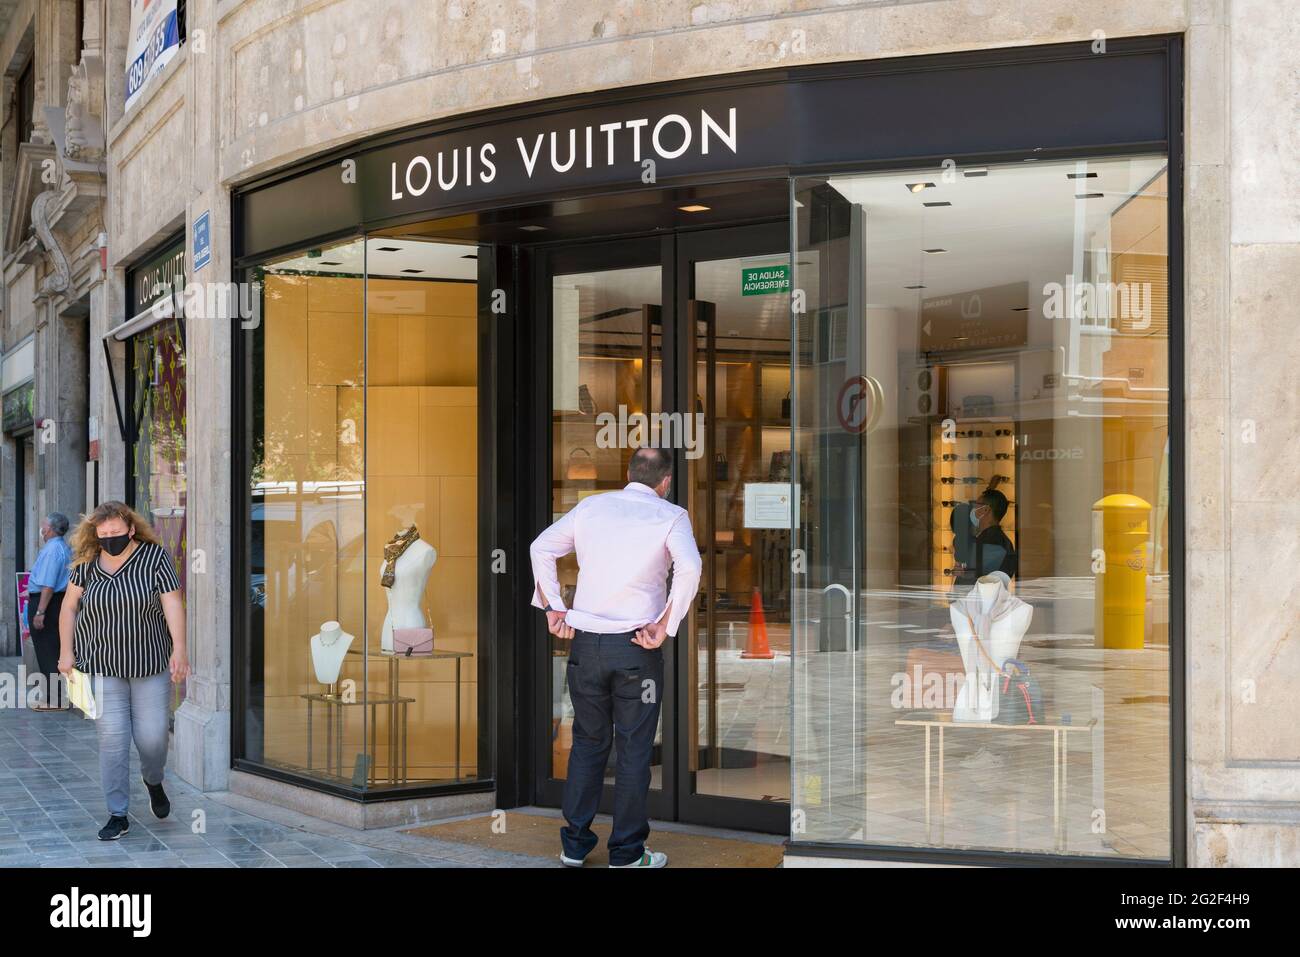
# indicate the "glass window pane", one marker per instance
pixel 305 400
pixel 982 416
pixel 422 520
pixel 606 330
pixel 740 665
pixel 158 449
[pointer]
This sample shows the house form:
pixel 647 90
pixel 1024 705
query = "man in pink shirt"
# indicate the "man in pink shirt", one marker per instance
pixel 622 613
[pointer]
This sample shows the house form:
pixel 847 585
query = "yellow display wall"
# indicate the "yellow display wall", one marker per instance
pixel 368 428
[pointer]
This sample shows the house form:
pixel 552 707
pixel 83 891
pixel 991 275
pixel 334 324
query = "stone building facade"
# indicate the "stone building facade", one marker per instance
pixel 260 85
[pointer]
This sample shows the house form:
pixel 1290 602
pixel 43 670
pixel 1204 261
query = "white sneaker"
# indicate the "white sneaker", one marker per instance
pixel 983 760
pixel 571 861
pixel 648 859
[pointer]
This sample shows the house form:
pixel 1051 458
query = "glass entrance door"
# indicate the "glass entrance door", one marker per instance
pixel 605 306
pixel 735 348
pixel 695 327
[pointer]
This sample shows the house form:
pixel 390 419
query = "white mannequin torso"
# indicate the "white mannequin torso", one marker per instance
pixel 406 596
pixel 1001 637
pixel 327 651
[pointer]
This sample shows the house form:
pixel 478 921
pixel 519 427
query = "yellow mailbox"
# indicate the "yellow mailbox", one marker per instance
pixel 1119 615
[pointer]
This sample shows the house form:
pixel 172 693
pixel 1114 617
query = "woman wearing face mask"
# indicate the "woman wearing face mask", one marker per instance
pixel 130 638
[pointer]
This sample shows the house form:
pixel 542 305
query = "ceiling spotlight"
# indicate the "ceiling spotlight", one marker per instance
pixel 533 229
pixel 329 262
pixel 942 203
pixel 412 270
pixel 979 171
pixel 1080 175
pixel 388 249
pixel 1019 308
pixel 694 208
pixel 917 187
pixel 1089 195
pixel 914 287
pixel 934 250
pixel 469 256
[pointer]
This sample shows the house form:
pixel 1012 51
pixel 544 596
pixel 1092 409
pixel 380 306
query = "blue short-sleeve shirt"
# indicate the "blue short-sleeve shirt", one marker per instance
pixel 51 568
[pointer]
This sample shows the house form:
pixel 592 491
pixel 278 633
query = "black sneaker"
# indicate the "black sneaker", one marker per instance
pixel 115 828
pixel 158 802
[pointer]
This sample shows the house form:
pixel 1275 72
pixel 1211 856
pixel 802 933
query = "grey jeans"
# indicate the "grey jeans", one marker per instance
pixel 131 708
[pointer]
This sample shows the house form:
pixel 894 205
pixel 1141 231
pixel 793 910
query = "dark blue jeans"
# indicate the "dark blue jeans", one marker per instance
pixel 616 688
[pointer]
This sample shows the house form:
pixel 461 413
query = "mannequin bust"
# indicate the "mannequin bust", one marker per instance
pixel 990 616
pixel 410 576
pixel 327 651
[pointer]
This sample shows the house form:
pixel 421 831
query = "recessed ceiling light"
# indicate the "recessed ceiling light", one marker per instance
pixel 329 262
pixel 981 171
pixel 914 287
pixel 1019 308
pixel 412 270
pixel 533 229
pixel 960 338
pixel 694 208
pixel 1080 175
pixel 934 250
pixel 469 256
pixel 917 187
pixel 942 203
pixel 1089 195
pixel 388 249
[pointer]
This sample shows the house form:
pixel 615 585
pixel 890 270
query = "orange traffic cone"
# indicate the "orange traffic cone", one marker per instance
pixel 758 647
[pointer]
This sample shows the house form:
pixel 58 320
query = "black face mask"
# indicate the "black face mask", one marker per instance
pixel 115 544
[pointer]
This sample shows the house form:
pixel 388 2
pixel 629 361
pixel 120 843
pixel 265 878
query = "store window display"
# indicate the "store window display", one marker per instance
pixel 1000 524
pixel 363 407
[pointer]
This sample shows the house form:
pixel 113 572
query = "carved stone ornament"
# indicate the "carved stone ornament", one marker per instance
pixel 83 133
pixel 60 276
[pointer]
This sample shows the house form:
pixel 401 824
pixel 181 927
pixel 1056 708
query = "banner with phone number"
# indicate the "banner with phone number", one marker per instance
pixel 154 40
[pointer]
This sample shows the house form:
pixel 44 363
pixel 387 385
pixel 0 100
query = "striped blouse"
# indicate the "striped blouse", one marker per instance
pixel 121 631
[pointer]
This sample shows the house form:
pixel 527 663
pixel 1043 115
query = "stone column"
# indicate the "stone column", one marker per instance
pixel 61 438
pixel 1242 285
pixel 202 751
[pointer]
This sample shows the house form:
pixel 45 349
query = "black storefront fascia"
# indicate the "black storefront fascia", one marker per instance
pixel 1002 105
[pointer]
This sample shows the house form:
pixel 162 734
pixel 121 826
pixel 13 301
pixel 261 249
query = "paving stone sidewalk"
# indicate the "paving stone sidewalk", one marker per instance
pixel 52 806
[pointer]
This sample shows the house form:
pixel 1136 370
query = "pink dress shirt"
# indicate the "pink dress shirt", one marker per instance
pixel 625 542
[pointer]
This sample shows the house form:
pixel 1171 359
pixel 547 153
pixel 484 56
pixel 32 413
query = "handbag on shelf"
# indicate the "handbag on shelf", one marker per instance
pixel 785 406
pixel 720 467
pixel 580 469
pixel 1020 698
pixel 413 642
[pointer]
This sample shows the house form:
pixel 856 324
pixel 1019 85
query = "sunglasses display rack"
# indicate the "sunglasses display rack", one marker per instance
pixel 964 461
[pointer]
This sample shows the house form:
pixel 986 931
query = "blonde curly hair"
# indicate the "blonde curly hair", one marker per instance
pixel 85 540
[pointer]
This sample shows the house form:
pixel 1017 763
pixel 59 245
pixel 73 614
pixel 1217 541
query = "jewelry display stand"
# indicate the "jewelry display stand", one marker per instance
pixel 397 710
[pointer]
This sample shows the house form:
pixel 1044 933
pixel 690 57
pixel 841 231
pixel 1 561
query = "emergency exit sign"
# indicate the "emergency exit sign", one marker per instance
pixel 764 280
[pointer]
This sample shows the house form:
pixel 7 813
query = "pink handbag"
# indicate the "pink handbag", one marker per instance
pixel 413 642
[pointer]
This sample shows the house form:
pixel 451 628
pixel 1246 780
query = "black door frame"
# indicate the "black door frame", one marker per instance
pixel 547 262
pixel 675 254
pixel 722 243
